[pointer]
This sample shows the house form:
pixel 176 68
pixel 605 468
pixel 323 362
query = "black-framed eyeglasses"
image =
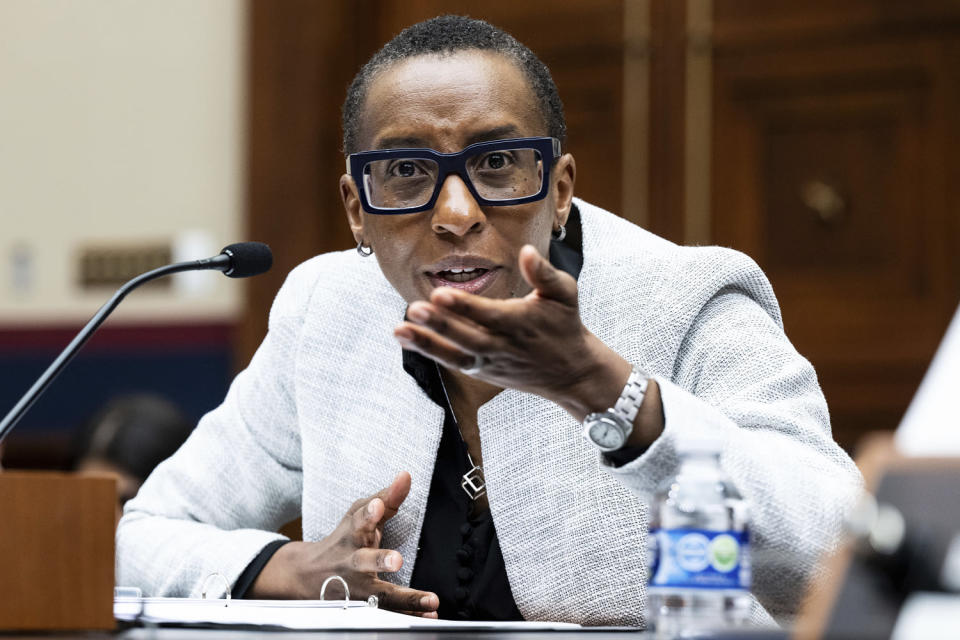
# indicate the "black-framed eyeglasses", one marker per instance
pixel 500 172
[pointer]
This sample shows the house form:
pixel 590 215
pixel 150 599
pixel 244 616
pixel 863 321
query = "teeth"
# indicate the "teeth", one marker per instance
pixel 462 275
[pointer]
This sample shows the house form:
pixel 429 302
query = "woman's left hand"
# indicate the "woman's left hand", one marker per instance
pixel 536 344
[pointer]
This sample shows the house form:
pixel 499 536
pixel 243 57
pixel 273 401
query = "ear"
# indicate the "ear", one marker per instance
pixel 563 176
pixel 351 205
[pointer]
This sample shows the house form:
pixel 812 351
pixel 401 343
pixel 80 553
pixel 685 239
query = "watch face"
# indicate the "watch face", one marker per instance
pixel 605 434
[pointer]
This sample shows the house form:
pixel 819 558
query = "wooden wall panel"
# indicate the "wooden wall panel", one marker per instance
pixel 833 168
pixel 302 56
pixel 668 62
pixel 779 25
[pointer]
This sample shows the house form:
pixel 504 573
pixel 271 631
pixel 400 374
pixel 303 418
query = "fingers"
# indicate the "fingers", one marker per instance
pixel 394 495
pixel 494 314
pixel 365 521
pixel 369 514
pixel 426 341
pixel 404 599
pixel 452 326
pixel 420 614
pixel 504 315
pixel 376 561
pixel 546 280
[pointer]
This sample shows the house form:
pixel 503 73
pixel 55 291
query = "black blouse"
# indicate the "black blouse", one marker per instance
pixel 459 555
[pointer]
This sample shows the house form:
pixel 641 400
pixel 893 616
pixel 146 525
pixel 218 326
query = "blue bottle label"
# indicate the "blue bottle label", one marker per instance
pixel 695 558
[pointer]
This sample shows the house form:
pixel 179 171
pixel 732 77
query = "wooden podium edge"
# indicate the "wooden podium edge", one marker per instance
pixel 56 551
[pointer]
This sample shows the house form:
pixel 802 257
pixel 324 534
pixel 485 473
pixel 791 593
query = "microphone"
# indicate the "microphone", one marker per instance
pixel 240 260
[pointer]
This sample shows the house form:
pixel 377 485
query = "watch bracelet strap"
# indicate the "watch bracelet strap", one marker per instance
pixel 628 404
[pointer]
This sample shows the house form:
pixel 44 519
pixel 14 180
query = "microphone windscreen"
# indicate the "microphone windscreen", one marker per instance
pixel 248 259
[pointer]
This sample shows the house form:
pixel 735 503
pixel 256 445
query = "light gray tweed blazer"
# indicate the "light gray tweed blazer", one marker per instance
pixel 325 414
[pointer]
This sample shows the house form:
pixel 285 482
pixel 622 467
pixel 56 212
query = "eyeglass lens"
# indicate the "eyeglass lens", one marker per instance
pixel 504 174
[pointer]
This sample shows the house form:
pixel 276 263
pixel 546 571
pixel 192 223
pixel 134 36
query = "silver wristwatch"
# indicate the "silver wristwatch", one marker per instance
pixel 609 430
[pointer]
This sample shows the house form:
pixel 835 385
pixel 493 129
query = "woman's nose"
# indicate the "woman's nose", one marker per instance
pixel 456 210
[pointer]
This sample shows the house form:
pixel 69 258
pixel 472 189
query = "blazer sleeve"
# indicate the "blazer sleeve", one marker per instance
pixel 218 501
pixel 737 375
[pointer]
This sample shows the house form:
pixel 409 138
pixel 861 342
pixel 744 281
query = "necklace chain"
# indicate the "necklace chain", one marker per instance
pixel 472 482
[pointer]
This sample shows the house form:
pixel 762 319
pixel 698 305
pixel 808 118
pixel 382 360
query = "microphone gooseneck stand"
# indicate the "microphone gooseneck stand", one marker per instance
pixel 221 262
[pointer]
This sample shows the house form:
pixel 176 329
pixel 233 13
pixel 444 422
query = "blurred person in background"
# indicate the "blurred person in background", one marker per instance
pixel 129 437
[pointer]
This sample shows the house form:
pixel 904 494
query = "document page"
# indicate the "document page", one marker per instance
pixel 931 426
pixel 294 614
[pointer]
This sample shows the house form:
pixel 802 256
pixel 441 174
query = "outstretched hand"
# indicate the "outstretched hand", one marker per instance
pixel 352 551
pixel 536 343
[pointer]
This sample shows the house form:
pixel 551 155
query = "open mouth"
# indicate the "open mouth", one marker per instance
pixel 461 275
pixel 467 273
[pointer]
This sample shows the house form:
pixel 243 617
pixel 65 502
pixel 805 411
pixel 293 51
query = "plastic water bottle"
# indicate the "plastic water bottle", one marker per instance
pixel 698 547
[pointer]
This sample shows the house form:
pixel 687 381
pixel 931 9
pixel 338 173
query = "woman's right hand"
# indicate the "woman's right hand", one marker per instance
pixel 352 551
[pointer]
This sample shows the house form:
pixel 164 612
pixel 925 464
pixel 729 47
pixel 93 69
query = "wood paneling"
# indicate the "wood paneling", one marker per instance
pixel 834 169
pixel 804 25
pixel 302 56
pixel 668 64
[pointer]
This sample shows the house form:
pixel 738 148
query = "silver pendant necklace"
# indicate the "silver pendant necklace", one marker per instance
pixel 472 481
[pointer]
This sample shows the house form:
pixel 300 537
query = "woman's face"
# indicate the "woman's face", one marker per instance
pixel 445 104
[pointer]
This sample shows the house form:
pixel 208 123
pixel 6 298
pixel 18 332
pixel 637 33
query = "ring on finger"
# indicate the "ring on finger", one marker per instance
pixel 475 367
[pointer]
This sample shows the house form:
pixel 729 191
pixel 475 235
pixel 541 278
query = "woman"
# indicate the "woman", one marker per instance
pixel 472 420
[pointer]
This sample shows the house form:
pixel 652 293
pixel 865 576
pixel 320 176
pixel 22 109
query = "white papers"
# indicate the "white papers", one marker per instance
pixel 931 426
pixel 928 616
pixel 294 614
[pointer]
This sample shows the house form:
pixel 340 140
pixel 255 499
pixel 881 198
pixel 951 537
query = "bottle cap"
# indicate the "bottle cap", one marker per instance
pixel 691 443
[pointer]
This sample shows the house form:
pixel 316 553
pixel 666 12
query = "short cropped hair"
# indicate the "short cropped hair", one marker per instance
pixel 445 35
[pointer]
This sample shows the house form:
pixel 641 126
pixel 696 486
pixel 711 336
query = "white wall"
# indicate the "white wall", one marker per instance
pixel 121 122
